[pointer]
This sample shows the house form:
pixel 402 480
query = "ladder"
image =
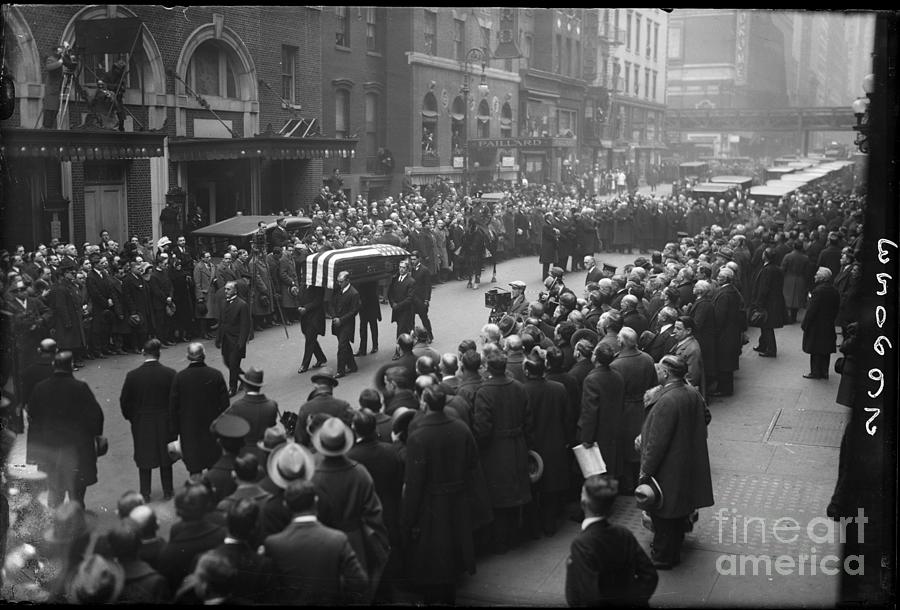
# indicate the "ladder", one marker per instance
pixel 65 93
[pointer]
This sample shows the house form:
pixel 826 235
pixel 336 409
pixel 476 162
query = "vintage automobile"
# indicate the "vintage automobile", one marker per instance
pixel 240 231
pixel 693 169
pixel 745 182
pixel 705 190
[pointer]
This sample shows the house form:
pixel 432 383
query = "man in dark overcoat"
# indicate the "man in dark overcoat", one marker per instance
pixel 731 322
pixel 321 400
pixel 289 282
pixel 70 419
pixel 703 313
pixel 503 427
pixel 34 373
pixel 549 403
pixel 421 292
pixel 260 412
pixel 160 298
pixel 312 323
pixel 549 243
pixel 602 407
pixel 136 304
pixel 436 519
pixel 345 305
pixel 64 301
pixel 99 293
pixel 144 401
pixel 233 334
pixel 819 338
pixel 198 397
pixel 795 266
pixel 675 454
pixel 400 298
pixel 768 295
pixel 369 316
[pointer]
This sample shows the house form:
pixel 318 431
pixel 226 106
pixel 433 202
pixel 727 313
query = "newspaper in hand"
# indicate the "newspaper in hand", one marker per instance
pixel 589 459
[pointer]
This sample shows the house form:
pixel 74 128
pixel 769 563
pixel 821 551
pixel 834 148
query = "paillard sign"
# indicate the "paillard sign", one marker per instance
pixel 489 143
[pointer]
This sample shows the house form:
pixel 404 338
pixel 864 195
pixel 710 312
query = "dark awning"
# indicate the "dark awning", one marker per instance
pixel 260 147
pixel 81 145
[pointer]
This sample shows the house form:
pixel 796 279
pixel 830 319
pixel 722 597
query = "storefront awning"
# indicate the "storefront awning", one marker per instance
pixel 260 147
pixel 81 145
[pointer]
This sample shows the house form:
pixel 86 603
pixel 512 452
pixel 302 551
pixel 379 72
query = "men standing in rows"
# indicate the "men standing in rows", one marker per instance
pixel 400 298
pixel 767 296
pixel 345 306
pixel 233 334
pixel 99 293
pixel 198 397
pixel 260 412
pixel 144 401
pixel 731 322
pixel 674 453
pixel 819 338
pixel 69 420
pixel 312 323
pixel 421 276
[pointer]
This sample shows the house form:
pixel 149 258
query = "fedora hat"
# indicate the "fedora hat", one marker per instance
pixel 648 494
pixel 70 523
pixel 584 333
pixel 326 375
pixel 273 437
pixel 174 450
pixel 333 438
pixel 557 272
pixel 288 462
pixel 507 325
pixel 253 377
pixel 535 466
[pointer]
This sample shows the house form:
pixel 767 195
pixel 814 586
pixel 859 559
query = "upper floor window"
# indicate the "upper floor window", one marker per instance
pixel 654 84
pixel 647 82
pixel 430 32
pixel 637 74
pixel 627 78
pixel 342 29
pixel 506 121
pixel 655 42
pixel 557 58
pixel 566 127
pixel 341 113
pixel 484 119
pixel 528 44
pixel 372 29
pixel 429 125
pixel 637 34
pixel 211 71
pixel 649 24
pixel 288 73
pixel 628 30
pixel 459 38
pixel 371 123
pixel 486 41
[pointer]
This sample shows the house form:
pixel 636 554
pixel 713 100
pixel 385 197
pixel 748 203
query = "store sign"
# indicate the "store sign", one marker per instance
pixel 508 161
pixel 493 143
pixel 458 162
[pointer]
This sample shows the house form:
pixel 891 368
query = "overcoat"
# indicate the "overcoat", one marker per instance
pixel 263 302
pixel 639 375
pixel 187 541
pixel 731 321
pixel 549 404
pixel 203 288
pixel 144 401
pixel 261 413
pixel 312 321
pixel 795 266
pixel 345 306
pixel 549 243
pixel 183 297
pixel 400 296
pixel 703 312
pixel 768 294
pixel 136 298
pixel 587 235
pixel 199 395
pixel 674 451
pixel 503 428
pixel 69 418
pixel 691 353
pixel 602 411
pixel 120 321
pixel 436 518
pixel 818 322
pixel 287 278
pixel 65 302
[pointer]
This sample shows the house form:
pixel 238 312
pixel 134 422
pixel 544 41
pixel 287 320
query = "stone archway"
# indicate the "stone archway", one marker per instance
pixel 25 67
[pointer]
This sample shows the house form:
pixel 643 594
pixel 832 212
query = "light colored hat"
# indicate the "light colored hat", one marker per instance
pixel 518 284
pixel 163 241
pixel 290 462
pixel 174 450
pixel 648 494
pixel 333 438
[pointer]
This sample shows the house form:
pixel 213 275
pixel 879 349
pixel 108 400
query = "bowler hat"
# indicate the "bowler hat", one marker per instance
pixel 253 377
pixel 230 426
pixel 333 438
pixel 326 375
pixel 273 437
pixel 648 494
pixel 290 462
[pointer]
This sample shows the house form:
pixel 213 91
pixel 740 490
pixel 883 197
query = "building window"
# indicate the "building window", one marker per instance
pixel 654 84
pixel 211 72
pixel 647 82
pixel 430 32
pixel 568 57
pixel 557 59
pixel 372 29
pixel 637 34
pixel 675 43
pixel 342 26
pixel 577 59
pixel 627 77
pixel 637 74
pixel 457 125
pixel 459 38
pixel 616 22
pixel 627 30
pixel 655 42
pixel 288 73
pixel 102 67
pixel 429 126
pixel 506 121
pixel 341 113
pixel 567 123
pixel 486 41
pixel 649 23
pixel 484 119
pixel 371 124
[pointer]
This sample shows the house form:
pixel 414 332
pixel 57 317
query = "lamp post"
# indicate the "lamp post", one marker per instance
pixel 860 108
pixel 473 55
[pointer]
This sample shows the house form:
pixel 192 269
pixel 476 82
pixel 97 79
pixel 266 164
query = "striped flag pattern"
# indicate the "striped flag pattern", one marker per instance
pixel 321 267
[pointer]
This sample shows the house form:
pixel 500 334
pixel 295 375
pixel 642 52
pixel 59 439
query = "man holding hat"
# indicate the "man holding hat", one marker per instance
pixel 144 401
pixel 674 453
pixel 518 306
pixel 260 412
pixel 136 304
pixel 234 332
pixel 606 564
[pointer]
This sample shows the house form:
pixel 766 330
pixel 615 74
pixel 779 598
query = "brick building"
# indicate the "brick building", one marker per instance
pixel 206 94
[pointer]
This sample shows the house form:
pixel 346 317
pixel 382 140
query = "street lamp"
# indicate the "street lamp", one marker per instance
pixel 474 54
pixel 860 108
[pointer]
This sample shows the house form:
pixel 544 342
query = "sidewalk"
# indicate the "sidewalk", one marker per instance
pixel 774 454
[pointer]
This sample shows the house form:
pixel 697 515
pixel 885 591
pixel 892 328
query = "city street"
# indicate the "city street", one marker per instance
pixel 773 449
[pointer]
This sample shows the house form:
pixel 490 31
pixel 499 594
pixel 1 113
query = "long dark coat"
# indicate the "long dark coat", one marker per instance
pixel 503 427
pixel 287 278
pixel 602 411
pixel 261 413
pixel 144 401
pixel 818 323
pixel 263 302
pixel 69 418
pixel 549 403
pixel 549 244
pixel 369 307
pixel 65 302
pixel 183 297
pixel 639 375
pixel 768 293
pixel 441 465
pixel 703 312
pixel 674 451
pixel 312 321
pixel 136 297
pixel 199 395
pixel 731 321
pixel 345 306
pixel 795 266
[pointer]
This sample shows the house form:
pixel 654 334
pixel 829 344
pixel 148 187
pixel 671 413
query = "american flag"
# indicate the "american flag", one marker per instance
pixel 321 267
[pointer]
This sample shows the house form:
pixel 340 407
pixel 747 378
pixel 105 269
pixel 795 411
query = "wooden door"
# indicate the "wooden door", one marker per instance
pixel 104 208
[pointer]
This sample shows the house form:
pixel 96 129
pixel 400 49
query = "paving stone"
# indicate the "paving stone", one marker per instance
pixel 809 427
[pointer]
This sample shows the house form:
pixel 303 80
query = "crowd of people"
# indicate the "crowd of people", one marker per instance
pixel 401 489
